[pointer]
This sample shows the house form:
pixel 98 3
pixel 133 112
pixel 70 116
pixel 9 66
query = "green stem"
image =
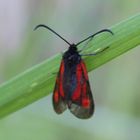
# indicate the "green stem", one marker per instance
pixel 38 81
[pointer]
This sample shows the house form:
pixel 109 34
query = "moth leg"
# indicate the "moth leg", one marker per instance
pixel 96 53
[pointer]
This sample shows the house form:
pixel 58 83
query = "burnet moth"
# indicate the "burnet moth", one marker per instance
pixel 72 89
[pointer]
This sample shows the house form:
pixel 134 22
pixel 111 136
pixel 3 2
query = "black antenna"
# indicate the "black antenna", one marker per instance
pixel 91 36
pixel 45 26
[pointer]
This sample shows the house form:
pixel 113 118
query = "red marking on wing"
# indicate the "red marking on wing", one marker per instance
pixel 82 105
pixel 61 79
pixel 56 96
pixel 82 91
pixel 86 102
pixel 84 70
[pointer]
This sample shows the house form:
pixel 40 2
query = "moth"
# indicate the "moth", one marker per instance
pixel 72 89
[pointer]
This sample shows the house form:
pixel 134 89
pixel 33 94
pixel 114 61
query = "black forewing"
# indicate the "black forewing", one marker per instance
pixel 82 105
pixel 59 103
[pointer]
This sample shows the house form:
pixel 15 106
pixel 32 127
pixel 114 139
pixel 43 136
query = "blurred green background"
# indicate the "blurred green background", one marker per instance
pixel 115 85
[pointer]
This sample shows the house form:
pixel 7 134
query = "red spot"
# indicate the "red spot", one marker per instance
pixel 84 89
pixel 78 73
pixel 85 102
pixel 61 89
pixel 77 92
pixel 56 96
pixel 62 68
pixel 61 79
pixel 84 70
